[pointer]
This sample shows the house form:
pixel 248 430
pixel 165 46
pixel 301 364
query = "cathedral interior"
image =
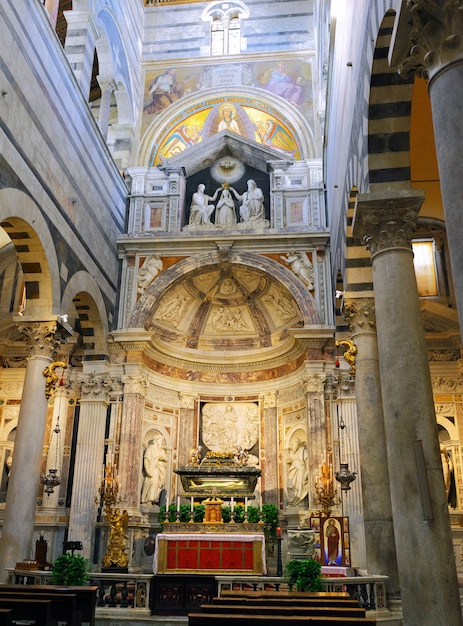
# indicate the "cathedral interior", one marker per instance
pixel 235 226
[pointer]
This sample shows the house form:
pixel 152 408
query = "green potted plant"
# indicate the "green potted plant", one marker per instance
pixel 305 574
pixel 70 570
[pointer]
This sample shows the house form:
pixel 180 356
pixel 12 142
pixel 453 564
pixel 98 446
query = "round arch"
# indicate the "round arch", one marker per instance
pixel 29 232
pixel 170 117
pixel 82 301
pixel 146 305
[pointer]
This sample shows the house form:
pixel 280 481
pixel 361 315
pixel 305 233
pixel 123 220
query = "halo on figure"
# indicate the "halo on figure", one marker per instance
pixel 227 170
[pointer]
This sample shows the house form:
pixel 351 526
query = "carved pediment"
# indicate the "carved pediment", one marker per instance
pixel 226 144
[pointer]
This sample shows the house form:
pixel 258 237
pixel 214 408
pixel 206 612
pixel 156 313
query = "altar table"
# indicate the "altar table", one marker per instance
pixel 209 553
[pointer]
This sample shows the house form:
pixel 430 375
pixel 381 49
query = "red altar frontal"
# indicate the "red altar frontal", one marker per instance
pixel 209 553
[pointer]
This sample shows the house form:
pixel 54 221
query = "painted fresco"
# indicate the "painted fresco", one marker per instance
pixel 290 79
pixel 247 117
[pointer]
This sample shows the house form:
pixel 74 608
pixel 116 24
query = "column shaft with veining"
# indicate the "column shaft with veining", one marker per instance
pixel 23 486
pixel 424 550
pixel 377 508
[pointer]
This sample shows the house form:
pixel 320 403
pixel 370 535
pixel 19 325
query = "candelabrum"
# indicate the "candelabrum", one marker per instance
pixel 116 553
pixel 327 496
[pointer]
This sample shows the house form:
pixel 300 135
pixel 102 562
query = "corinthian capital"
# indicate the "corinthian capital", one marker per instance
pixel 360 314
pixel 435 30
pixel 385 222
pixel 42 339
pixel 97 386
pixel 134 385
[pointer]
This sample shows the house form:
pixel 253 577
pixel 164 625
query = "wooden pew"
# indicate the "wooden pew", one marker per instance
pixel 5 617
pixel 296 611
pixel 86 596
pixel 37 610
pixel 64 607
pixel 219 619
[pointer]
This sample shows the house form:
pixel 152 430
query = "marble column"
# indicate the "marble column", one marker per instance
pixel 436 53
pixel 89 458
pixel 23 486
pixel 107 86
pixel 427 572
pixel 377 508
pixel 131 450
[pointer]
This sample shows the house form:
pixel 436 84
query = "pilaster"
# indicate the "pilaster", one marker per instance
pixel 89 457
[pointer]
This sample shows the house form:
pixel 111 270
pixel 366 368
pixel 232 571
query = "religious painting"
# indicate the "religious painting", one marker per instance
pixel 154 216
pixel 332 540
pixel 248 117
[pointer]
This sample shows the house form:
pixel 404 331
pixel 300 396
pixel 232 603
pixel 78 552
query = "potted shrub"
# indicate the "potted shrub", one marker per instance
pixel 70 570
pixel 305 574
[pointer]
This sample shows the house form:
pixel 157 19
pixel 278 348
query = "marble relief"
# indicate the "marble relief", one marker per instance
pixel 228 426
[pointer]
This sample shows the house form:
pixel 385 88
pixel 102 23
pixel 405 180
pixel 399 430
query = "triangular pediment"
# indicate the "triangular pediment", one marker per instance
pixel 223 144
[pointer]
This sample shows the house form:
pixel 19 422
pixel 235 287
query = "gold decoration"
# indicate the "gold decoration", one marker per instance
pixel 51 377
pixel 349 354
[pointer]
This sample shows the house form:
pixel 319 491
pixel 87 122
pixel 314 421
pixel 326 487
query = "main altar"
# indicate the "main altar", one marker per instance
pixel 213 546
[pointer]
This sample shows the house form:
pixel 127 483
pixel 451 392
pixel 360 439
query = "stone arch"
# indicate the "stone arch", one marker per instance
pixel 84 305
pixel 29 232
pixel 389 110
pixel 145 306
pixel 166 119
pixel 113 63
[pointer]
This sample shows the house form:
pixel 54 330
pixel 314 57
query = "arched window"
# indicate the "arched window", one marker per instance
pixel 226 20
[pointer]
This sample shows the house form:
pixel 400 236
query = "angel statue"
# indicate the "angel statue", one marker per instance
pixel 301 266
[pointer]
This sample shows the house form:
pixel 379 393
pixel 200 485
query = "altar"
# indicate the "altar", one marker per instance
pixel 209 553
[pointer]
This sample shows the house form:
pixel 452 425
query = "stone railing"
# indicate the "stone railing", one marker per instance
pixel 370 591
pixel 121 591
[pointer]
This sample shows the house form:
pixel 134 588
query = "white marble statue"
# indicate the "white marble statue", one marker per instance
pixel 297 471
pixel 301 266
pixel 252 203
pixel 200 208
pixel 151 267
pixel 154 469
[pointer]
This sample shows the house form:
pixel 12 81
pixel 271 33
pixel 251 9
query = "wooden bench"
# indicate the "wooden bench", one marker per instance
pixel 64 607
pixel 220 619
pixel 278 608
pixel 85 596
pixel 37 610
pixel 6 617
pixel 289 609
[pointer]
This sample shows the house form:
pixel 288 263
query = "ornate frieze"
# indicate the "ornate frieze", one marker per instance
pixel 97 386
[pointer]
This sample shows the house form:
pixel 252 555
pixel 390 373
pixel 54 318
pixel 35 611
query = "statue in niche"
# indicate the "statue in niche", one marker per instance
pixel 301 266
pixel 150 268
pixel 225 211
pixel 200 209
pixel 447 467
pixel 252 203
pixel 298 471
pixel 154 469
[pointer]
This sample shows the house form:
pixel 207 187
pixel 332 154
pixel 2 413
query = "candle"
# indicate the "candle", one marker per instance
pixel 192 504
pixel 245 505
pixel 232 504
pixel 178 503
pixel 279 532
